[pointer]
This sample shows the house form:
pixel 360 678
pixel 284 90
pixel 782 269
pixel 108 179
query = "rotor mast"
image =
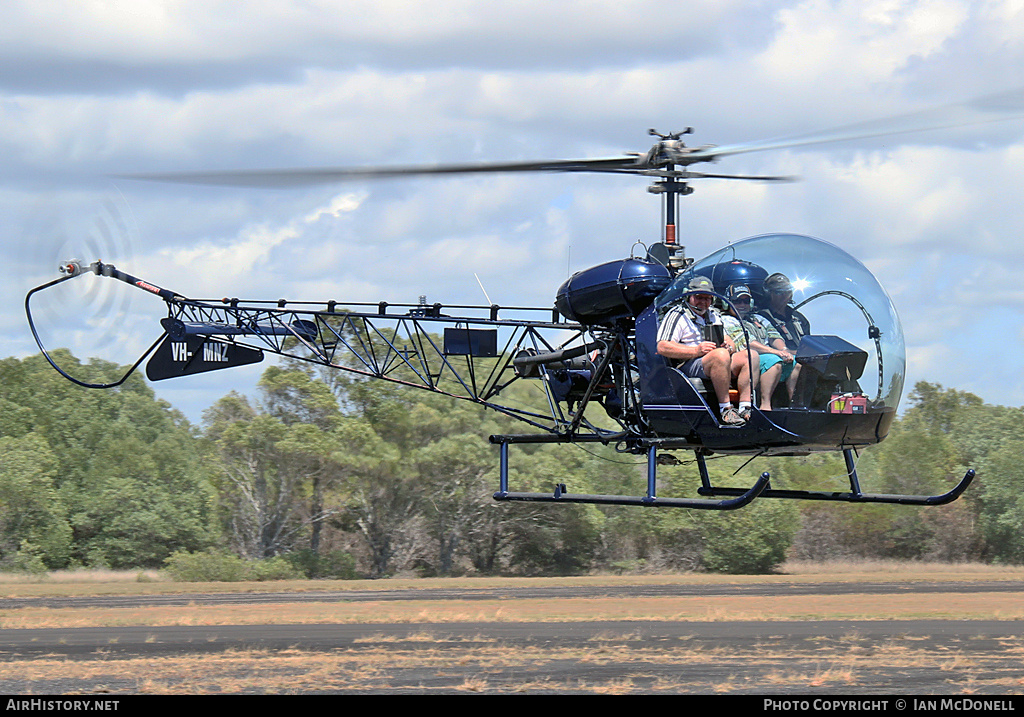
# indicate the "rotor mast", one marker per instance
pixel 671 188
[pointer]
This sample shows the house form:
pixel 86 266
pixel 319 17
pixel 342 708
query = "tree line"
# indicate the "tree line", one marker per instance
pixel 344 477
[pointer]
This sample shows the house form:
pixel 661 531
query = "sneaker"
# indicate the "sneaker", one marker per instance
pixel 731 417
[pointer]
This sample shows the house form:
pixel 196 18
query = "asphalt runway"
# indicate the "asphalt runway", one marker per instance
pixel 876 657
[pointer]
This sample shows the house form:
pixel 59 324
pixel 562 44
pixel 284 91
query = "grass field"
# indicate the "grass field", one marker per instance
pixel 916 606
pixel 430 660
pixel 88 581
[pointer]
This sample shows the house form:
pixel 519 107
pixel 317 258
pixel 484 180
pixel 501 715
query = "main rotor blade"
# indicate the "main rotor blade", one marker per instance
pixel 991 108
pixel 758 178
pixel 327 175
pixel 998 107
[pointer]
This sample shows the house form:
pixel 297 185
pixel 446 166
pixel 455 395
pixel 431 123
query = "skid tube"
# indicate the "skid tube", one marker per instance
pixel 855 495
pixel 560 495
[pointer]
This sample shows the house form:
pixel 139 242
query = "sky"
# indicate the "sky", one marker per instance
pixel 91 91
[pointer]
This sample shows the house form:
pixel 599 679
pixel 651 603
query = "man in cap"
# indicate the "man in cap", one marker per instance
pixel 776 362
pixel 681 338
pixel 790 323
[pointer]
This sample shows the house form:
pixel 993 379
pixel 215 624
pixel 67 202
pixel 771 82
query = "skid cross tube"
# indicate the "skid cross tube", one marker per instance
pixel 855 495
pixel 650 499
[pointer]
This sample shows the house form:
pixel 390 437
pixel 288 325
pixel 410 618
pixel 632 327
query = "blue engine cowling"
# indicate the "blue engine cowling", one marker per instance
pixel 613 291
pixel 736 271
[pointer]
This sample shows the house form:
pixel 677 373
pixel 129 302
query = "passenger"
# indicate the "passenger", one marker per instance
pixel 790 323
pixel 680 339
pixel 776 362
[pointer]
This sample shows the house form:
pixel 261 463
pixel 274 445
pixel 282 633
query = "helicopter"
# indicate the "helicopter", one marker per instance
pixel 593 353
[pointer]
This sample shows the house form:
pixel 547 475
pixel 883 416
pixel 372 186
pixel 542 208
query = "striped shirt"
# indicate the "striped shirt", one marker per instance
pixel 683 326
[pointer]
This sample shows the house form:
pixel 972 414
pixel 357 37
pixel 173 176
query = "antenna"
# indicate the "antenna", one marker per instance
pixel 489 302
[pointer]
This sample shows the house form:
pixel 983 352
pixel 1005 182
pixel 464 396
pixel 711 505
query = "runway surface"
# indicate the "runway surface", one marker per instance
pixel 865 657
pixel 520 593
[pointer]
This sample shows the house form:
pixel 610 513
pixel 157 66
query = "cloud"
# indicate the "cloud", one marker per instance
pixel 348 202
pixel 866 42
pixel 94 89
pixel 56 46
pixel 246 260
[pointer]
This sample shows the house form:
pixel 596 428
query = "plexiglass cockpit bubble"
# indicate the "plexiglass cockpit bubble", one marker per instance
pixel 835 292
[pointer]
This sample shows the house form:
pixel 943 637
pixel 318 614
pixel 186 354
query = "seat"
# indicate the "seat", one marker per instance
pixel 704 386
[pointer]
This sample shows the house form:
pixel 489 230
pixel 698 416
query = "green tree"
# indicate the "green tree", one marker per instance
pixel 941 434
pixel 286 465
pixel 259 493
pixel 129 477
pixel 751 540
pixel 33 521
pixel 1001 502
pixel 140 502
pixel 296 399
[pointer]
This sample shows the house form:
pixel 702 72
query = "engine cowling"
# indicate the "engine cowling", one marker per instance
pixel 613 291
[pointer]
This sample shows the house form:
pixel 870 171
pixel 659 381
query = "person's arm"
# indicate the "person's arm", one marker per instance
pixel 676 326
pixel 781 351
pixel 684 352
pixel 776 342
pixel 778 348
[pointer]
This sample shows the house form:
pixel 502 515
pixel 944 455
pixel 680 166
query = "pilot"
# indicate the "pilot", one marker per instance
pixel 680 339
pixel 776 362
pixel 790 323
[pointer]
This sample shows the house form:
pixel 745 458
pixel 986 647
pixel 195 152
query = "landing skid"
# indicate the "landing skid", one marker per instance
pixel 855 495
pixel 650 499
pixel 727 498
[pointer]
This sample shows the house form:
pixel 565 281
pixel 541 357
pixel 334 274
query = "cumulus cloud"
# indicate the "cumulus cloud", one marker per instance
pixel 94 89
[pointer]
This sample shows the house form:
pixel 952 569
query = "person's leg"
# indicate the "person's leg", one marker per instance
pixel 745 365
pixel 716 367
pixel 791 381
pixel 771 374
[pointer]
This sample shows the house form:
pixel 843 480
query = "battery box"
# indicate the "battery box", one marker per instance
pixel 844 403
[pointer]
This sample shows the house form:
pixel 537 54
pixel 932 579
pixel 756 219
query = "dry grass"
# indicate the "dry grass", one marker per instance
pixel 676 667
pixel 149 582
pixel 719 608
pixel 611 663
pixel 911 570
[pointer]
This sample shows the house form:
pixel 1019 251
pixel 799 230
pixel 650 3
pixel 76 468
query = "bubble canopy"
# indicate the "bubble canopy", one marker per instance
pixel 835 292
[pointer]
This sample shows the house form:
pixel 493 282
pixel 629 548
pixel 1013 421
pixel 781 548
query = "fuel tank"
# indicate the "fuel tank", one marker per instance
pixel 613 291
pixel 724 274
